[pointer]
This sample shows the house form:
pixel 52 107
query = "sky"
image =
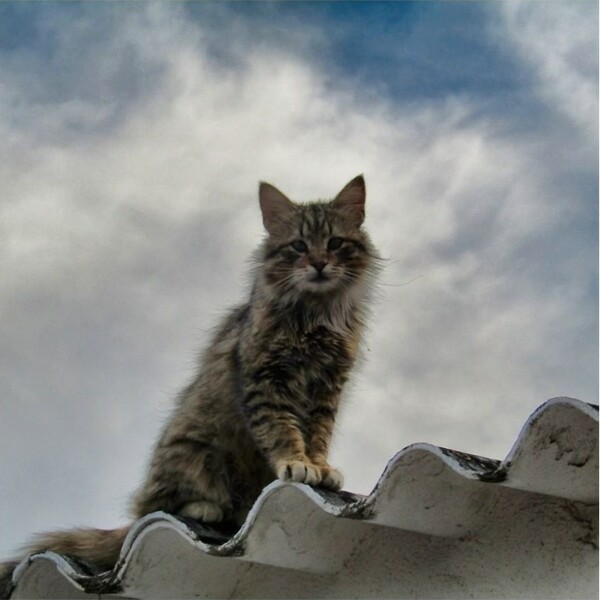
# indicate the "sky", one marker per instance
pixel 132 140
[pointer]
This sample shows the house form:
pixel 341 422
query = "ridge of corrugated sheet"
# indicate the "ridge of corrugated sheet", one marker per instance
pixel 421 490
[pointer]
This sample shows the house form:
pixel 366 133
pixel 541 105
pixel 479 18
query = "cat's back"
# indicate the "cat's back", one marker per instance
pixel 216 386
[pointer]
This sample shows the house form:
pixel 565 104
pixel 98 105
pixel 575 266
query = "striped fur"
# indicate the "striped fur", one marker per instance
pixel 264 401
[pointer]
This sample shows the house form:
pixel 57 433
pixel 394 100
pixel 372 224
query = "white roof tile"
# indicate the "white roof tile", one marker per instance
pixel 439 523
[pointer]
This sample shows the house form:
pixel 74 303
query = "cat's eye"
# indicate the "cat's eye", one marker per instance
pixel 334 243
pixel 299 246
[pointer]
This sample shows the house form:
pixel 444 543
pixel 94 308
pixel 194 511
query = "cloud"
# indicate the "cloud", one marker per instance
pixel 132 145
pixel 560 44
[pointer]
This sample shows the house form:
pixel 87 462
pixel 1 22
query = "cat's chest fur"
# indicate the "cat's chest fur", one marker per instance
pixel 300 356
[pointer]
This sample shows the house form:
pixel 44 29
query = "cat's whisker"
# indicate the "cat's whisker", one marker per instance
pixel 402 284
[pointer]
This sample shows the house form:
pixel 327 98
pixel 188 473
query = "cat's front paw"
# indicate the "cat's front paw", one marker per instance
pixel 300 471
pixel 331 478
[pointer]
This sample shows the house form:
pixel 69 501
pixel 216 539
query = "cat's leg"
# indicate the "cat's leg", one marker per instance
pixel 278 433
pixel 322 420
pixel 187 477
pixel 208 498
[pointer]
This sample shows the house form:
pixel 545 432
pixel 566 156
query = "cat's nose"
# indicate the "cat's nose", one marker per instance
pixel 319 265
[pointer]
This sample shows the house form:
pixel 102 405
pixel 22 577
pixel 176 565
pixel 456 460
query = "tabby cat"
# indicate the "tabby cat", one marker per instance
pixel 264 401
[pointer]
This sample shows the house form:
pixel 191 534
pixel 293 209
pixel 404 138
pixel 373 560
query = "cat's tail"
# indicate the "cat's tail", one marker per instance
pixel 100 547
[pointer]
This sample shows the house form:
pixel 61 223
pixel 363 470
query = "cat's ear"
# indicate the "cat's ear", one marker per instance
pixel 351 201
pixel 276 208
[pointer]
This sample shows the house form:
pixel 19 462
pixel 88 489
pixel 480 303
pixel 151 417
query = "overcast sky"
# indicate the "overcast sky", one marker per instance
pixel 132 140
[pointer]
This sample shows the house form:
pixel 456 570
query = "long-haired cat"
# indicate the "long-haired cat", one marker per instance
pixel 264 401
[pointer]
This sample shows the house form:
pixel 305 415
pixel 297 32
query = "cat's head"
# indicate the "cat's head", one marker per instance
pixel 318 248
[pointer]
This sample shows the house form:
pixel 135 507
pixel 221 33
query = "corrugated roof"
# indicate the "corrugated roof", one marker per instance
pixel 439 523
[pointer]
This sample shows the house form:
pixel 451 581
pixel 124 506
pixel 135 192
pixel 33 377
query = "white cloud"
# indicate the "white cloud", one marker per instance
pixel 559 40
pixel 124 229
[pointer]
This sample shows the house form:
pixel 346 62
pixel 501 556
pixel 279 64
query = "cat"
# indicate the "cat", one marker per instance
pixel 265 398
